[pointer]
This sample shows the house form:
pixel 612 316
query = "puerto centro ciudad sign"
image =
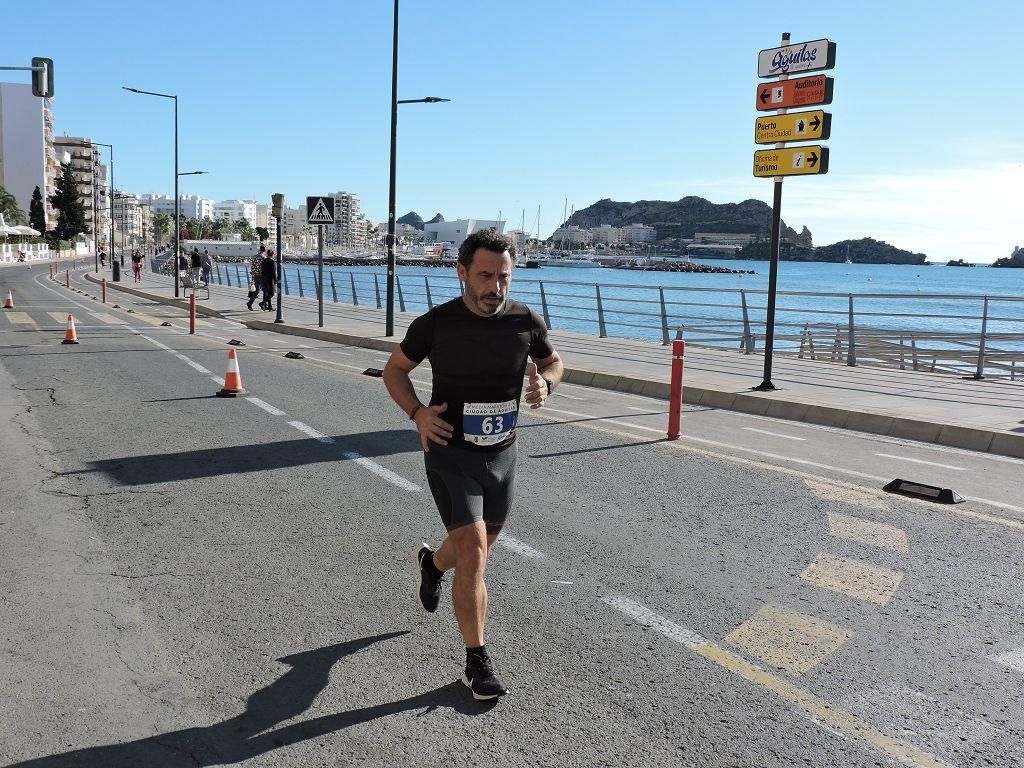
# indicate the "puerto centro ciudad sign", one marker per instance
pixel 812 56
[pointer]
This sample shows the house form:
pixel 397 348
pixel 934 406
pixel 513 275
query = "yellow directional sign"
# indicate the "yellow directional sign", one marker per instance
pixel 791 161
pixel 796 126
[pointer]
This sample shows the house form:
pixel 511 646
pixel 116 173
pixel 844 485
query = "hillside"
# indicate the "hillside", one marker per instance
pixel 682 218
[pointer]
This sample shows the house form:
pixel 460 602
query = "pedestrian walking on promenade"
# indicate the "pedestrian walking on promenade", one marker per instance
pixel 103 259
pixel 182 263
pixel 137 266
pixel 256 276
pixel 268 273
pixel 479 345
pixel 207 262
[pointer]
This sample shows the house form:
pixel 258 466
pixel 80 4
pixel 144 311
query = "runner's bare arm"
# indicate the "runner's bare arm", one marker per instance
pixel 549 369
pixel 427 417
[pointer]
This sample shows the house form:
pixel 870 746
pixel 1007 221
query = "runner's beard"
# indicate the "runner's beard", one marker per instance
pixel 480 304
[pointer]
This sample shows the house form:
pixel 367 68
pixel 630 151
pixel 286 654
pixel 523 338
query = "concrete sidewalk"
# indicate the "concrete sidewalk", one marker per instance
pixel 930 407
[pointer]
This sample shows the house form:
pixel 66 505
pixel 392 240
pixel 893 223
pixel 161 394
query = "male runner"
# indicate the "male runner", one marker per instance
pixel 478 346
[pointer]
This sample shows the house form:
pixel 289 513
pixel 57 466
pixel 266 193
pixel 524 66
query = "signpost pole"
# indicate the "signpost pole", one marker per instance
pixel 320 268
pixel 766 384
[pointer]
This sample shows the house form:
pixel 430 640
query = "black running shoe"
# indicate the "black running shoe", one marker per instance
pixel 482 681
pixel 428 588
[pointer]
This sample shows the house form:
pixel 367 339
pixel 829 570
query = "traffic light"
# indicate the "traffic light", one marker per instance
pixel 42 79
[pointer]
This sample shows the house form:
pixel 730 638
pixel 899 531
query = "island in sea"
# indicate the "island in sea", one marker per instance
pixel 1015 259
pixel 687 226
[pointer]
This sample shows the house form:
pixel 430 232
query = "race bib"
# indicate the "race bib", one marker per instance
pixel 488 423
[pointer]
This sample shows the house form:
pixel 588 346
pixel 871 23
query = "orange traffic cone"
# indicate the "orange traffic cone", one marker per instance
pixel 9 301
pixel 70 337
pixel 232 379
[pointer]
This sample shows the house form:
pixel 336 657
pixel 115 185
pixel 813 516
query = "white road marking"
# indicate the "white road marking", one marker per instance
pixel 265 406
pixel 383 472
pixel 191 362
pixel 308 430
pixel 643 615
pixel 1013 659
pixel 607 420
pixel 920 461
pixel 773 434
pixel 644 410
pixel 569 397
pixel 564 583
pixel 519 547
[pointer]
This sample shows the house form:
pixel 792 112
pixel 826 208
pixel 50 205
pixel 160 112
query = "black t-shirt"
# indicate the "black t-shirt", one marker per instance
pixel 478 365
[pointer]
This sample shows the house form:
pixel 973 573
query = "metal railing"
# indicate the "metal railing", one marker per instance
pixel 979 336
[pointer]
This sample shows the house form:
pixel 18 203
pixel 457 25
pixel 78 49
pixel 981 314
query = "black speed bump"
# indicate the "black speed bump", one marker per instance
pixel 236 343
pixel 375 372
pixel 922 491
pixel 295 356
pixel 165 324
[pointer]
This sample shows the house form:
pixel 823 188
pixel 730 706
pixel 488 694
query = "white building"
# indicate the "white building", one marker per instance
pixel 520 238
pixel 233 210
pixel 572 234
pixel 127 220
pixel 348 231
pixel 27 155
pixel 605 233
pixel 637 233
pixel 191 206
pixel 456 232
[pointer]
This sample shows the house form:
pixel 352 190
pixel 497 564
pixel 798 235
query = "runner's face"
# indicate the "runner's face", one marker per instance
pixel 487 281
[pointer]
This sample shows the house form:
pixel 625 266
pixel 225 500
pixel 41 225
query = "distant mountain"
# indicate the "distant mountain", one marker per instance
pixel 1015 259
pixel 412 219
pixel 438 219
pixel 863 251
pixel 683 218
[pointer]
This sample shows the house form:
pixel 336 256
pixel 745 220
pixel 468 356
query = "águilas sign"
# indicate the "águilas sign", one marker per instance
pixel 812 56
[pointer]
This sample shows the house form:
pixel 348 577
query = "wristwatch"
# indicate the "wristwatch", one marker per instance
pixel 548 382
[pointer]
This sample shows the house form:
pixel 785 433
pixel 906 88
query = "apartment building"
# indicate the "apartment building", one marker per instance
pixel 191 206
pixel 28 158
pixel 233 210
pixel 90 177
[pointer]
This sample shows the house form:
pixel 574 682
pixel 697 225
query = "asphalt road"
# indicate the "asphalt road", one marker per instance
pixel 197 581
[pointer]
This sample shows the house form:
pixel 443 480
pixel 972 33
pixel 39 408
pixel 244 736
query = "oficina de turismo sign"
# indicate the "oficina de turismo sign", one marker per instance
pixel 812 56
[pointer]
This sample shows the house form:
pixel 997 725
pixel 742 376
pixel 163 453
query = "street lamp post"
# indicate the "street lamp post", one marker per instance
pixel 177 201
pixel 389 328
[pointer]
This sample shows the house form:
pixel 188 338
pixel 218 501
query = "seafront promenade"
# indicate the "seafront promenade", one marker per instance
pixel 986 415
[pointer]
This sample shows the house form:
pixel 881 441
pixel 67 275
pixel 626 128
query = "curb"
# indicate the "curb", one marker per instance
pixel 970 438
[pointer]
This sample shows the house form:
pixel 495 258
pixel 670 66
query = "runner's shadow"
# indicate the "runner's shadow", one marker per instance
pixel 245 736
pixel 198 463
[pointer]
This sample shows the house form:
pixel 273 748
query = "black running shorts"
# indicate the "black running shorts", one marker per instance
pixel 470 485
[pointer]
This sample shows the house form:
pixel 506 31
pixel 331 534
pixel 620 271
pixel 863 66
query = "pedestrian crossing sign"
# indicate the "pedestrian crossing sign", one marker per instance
pixel 319 210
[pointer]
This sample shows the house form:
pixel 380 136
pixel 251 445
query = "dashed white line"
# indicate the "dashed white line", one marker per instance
pixel 1013 659
pixel 920 461
pixel 773 434
pixel 645 616
pixel 643 410
pixel 308 430
pixel 519 547
pixel 265 406
pixel 192 363
pixel 382 472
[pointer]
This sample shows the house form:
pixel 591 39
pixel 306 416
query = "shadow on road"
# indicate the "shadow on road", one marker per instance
pixel 243 737
pixel 212 462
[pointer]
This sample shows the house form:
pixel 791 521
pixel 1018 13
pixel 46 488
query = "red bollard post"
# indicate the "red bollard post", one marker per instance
pixel 675 403
pixel 192 314
pixel 67 279
pixel 104 283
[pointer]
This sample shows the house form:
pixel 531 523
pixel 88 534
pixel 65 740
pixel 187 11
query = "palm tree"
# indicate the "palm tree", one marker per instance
pixel 162 221
pixel 9 208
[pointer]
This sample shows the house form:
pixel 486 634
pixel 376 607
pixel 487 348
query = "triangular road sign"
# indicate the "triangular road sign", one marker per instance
pixel 320 210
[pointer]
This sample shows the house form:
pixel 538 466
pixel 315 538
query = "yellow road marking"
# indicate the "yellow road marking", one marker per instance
pixel 21 318
pixel 788 640
pixel 854 496
pixel 820 709
pixel 146 318
pixel 881 535
pixel 851 577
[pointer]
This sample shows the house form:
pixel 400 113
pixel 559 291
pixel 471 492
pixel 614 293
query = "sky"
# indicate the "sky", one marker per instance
pixel 575 101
